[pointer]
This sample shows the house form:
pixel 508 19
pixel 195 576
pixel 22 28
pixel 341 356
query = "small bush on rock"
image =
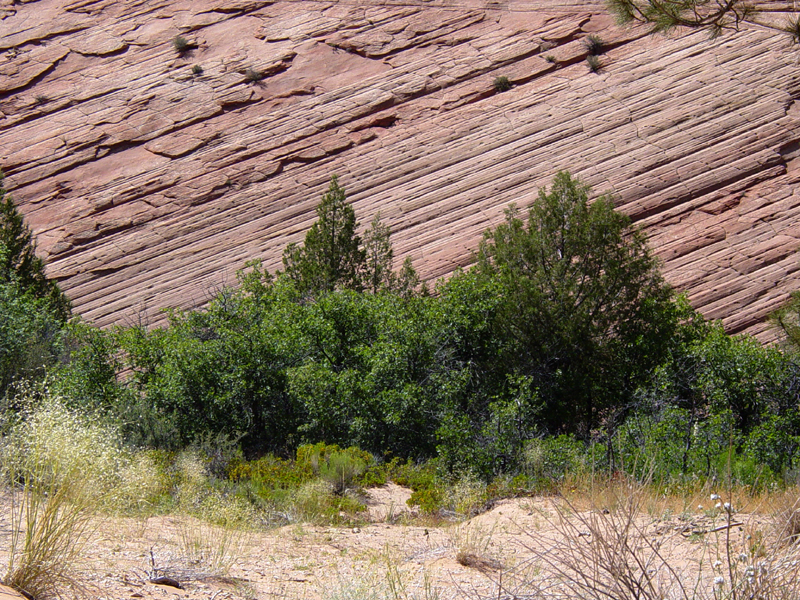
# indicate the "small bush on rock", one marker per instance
pixel 594 45
pixel 181 44
pixel 502 84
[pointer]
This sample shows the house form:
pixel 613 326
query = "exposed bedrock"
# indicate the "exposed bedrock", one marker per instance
pixel 150 176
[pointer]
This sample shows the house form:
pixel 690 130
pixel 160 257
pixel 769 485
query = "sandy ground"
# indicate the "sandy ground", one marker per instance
pixel 506 552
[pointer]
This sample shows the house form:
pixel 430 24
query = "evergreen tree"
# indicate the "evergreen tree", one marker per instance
pixel 331 256
pixel 32 308
pixel 18 260
pixel 584 312
pixel 715 17
pixel 378 254
pixel 406 282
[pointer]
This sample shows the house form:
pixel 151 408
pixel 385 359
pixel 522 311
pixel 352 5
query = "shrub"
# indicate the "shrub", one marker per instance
pixel 547 461
pixel 253 76
pixel 197 70
pixel 594 62
pixel 550 58
pixel 594 45
pixel 502 84
pixel 792 27
pixel 339 468
pixel 181 44
pixel 315 502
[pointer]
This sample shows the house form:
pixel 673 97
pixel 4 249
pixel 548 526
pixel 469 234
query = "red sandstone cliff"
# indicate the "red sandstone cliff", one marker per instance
pixel 148 184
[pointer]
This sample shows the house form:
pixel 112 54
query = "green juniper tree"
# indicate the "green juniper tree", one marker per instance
pixel 18 260
pixel 33 309
pixel 584 311
pixel 378 255
pixel 331 256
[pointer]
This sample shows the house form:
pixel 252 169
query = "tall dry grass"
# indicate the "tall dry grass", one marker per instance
pixel 622 550
pixel 61 470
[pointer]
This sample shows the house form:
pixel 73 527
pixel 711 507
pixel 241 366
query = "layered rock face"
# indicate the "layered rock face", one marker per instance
pixel 150 175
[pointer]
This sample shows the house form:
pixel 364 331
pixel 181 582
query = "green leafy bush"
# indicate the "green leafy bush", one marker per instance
pixel 546 461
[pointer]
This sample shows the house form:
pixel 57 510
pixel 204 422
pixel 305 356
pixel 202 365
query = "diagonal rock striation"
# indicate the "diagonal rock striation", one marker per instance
pixel 149 182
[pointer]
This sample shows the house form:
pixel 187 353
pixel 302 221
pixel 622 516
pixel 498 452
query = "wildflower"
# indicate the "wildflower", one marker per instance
pixel 727 506
pixel 714 497
pixel 717 564
pixel 699 507
pixel 718 505
pixel 719 580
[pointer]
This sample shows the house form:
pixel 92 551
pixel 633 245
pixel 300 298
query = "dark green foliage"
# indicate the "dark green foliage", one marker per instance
pixel 719 401
pixel 502 84
pixel 792 27
pixel 562 351
pixel 547 461
pixel 88 378
pixel 253 75
pixel 19 263
pixel 666 15
pixel 594 63
pixel 378 255
pixel 221 371
pixel 33 309
pixel 594 45
pixel 584 312
pixel 550 58
pixel 331 256
pixel 372 378
pixel 181 44
pixel 197 70
pixel 30 335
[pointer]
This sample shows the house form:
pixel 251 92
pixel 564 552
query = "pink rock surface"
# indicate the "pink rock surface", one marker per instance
pixel 147 185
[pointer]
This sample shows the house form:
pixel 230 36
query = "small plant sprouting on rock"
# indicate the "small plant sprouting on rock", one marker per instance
pixel 550 58
pixel 594 45
pixel 594 63
pixel 502 84
pixel 253 76
pixel 792 27
pixel 197 70
pixel 41 99
pixel 181 44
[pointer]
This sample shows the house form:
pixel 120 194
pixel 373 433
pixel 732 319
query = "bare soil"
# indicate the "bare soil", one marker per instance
pixel 500 553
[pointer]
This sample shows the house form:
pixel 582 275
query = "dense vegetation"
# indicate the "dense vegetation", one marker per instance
pixel 561 350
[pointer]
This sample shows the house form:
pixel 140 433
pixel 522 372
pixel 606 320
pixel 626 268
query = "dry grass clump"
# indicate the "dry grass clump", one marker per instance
pixel 786 508
pixel 211 550
pixel 472 544
pixel 393 583
pixel 620 551
pixel 195 496
pixel 60 469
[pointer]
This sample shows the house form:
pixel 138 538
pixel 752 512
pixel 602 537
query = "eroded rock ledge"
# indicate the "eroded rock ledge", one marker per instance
pixel 147 184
